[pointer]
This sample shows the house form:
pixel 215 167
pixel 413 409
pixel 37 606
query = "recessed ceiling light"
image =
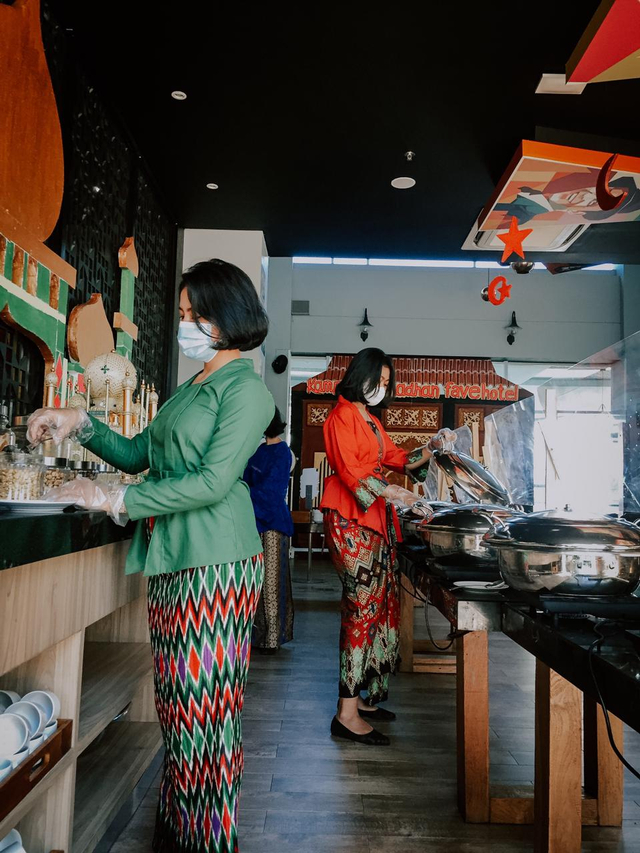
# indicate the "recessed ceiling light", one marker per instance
pixel 212 187
pixel 179 96
pixel 403 183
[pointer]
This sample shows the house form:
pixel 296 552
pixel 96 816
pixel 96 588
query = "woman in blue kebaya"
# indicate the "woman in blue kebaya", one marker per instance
pixel 267 475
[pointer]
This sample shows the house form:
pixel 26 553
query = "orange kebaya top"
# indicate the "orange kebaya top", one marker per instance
pixel 357 458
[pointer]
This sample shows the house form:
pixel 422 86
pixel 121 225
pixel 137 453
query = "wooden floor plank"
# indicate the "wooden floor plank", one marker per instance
pixel 309 793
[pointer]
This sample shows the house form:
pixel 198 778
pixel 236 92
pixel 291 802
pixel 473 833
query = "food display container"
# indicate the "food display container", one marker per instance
pixel 21 476
pixel 57 472
pixel 20 431
pixel 561 553
pixel 473 478
pixel 84 469
pixel 457 535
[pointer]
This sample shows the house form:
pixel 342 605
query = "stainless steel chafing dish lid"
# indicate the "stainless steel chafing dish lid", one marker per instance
pixel 554 530
pixel 467 518
pixel 472 477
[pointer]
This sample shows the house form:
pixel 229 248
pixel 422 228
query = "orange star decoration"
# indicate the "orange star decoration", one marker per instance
pixel 513 239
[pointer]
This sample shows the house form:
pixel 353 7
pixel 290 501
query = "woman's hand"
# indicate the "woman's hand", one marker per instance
pixel 87 494
pixel 400 496
pixel 443 440
pixel 58 424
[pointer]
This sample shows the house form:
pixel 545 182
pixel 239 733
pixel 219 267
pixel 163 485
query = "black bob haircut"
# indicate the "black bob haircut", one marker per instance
pixel 223 295
pixel 276 427
pixel 363 376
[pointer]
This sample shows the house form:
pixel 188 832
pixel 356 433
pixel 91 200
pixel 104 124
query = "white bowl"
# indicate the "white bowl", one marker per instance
pixel 48 703
pixel 16 847
pixel 35 743
pixel 7 698
pixel 19 757
pixel 6 768
pixel 13 837
pixel 32 715
pixel 14 735
pixel 51 729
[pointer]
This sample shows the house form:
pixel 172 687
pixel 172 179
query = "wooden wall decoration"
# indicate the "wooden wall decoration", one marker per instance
pixel 123 319
pixel 89 332
pixel 31 156
pixel 408 416
pixel 317 413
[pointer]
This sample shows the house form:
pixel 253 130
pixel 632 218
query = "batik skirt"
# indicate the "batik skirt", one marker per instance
pixel 200 622
pixel 369 632
pixel 273 623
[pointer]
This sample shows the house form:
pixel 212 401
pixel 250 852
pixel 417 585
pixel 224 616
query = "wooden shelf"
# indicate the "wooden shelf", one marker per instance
pixel 25 805
pixel 106 776
pixel 112 673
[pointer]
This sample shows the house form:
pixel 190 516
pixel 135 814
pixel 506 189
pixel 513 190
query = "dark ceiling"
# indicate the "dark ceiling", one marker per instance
pixel 301 114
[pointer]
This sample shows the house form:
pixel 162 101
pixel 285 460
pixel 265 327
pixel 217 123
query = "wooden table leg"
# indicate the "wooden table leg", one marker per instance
pixel 473 726
pixel 406 626
pixel 603 771
pixel 558 782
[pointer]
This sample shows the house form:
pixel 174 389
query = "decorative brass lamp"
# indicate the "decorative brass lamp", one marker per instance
pixel 50 385
pixel 128 387
pixel 153 403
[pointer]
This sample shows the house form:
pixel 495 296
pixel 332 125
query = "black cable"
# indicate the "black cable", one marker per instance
pixel 414 593
pixel 427 604
pixel 598 642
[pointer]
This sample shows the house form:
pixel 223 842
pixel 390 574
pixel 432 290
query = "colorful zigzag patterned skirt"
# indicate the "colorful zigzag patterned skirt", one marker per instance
pixel 200 622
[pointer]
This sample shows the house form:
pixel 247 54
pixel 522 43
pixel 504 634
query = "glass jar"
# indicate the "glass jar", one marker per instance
pixel 20 431
pixel 21 477
pixel 56 472
pixel 84 469
pixel 7 436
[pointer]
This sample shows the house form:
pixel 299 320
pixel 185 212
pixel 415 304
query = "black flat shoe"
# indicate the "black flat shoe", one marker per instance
pixel 373 738
pixel 380 714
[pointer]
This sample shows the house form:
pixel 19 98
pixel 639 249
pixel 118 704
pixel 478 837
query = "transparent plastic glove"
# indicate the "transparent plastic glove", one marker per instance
pixel 87 494
pixel 443 440
pixel 418 508
pixel 58 424
pixel 400 497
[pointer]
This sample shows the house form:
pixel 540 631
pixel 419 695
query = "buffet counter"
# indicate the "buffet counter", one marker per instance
pixel 30 538
pixel 73 623
pixel 566 708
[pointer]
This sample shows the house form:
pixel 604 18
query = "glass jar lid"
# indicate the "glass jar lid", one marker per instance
pixel 12 458
pixel 54 461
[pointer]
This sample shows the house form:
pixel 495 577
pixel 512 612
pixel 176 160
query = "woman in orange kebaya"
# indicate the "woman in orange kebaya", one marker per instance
pixel 362 529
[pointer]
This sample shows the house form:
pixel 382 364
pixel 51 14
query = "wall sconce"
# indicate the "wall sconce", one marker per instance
pixel 512 328
pixel 365 326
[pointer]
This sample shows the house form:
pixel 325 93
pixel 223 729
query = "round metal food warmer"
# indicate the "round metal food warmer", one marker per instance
pixel 567 555
pixel 456 534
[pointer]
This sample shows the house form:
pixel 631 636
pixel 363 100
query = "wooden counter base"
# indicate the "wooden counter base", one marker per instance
pixel 77 625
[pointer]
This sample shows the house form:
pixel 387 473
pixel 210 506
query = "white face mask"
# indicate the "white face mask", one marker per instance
pixel 196 343
pixel 376 395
